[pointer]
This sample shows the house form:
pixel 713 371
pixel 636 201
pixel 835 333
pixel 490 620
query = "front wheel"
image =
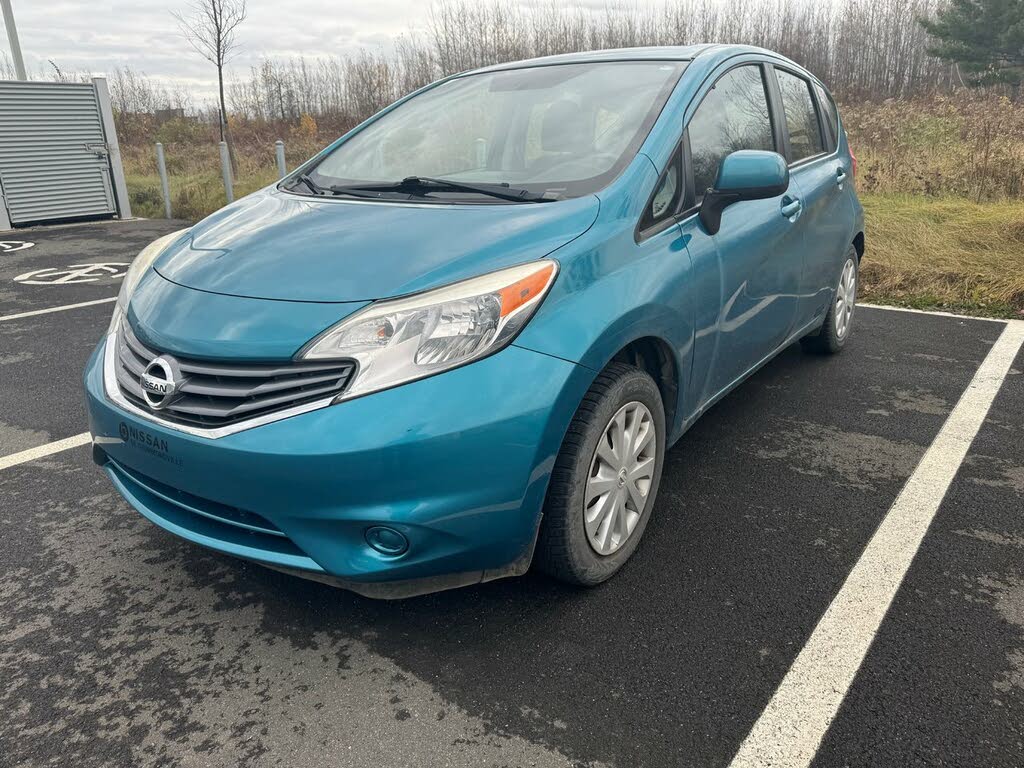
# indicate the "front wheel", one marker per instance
pixel 605 478
pixel 838 324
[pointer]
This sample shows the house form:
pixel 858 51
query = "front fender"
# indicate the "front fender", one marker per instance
pixel 588 320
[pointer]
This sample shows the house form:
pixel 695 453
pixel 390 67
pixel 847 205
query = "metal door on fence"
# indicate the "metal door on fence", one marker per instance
pixel 54 156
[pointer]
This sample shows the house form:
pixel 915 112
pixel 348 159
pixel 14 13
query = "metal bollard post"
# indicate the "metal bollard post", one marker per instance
pixel 164 186
pixel 225 166
pixel 282 169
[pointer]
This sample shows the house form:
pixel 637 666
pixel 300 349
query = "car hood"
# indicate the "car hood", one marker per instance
pixel 276 245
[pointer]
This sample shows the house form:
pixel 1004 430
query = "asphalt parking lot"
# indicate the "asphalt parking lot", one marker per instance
pixel 121 645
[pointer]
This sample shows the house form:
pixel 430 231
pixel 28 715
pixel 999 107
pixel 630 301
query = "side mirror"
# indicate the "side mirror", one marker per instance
pixel 746 174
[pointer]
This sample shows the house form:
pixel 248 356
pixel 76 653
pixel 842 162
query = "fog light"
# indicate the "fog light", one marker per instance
pixel 387 541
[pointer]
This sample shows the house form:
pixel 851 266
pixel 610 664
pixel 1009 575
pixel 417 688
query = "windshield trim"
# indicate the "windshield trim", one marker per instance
pixel 573 189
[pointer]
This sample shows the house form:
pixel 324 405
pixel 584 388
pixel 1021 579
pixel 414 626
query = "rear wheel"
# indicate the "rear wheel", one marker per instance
pixel 605 478
pixel 838 324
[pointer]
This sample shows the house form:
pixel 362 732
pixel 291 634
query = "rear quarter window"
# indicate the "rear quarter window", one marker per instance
pixel 831 113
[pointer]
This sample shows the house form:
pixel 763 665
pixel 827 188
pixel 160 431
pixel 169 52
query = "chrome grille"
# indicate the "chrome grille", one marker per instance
pixel 217 394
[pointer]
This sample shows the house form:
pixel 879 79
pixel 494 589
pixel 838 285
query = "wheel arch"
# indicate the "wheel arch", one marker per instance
pixel 858 245
pixel 654 355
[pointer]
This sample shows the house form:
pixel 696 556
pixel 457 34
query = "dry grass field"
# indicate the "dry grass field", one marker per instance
pixel 942 182
pixel 944 253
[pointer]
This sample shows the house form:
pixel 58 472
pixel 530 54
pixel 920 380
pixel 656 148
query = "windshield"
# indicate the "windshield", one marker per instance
pixel 553 131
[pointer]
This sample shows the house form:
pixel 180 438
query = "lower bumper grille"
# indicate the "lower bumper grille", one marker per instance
pixel 206 518
pixel 215 394
pixel 213 510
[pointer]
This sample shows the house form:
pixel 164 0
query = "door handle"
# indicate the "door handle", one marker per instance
pixel 840 175
pixel 791 207
pixel 100 150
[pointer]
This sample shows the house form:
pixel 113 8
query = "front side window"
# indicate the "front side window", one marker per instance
pixel 733 115
pixel 801 116
pixel 559 131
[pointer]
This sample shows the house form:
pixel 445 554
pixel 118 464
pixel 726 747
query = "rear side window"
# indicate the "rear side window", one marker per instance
pixel 734 115
pixel 801 116
pixel 831 115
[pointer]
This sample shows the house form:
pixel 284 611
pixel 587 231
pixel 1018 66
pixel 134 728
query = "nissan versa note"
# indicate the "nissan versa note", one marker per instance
pixel 460 339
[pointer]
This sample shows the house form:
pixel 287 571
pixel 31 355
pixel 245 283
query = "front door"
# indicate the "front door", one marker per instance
pixel 750 272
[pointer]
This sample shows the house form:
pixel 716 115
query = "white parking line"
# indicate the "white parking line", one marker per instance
pixel 789 731
pixel 936 312
pixel 56 309
pixel 44 450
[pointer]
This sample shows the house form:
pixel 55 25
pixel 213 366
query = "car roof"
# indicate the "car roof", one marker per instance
pixel 709 55
pixel 659 53
pixel 650 53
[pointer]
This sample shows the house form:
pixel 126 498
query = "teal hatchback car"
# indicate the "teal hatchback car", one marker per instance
pixel 461 339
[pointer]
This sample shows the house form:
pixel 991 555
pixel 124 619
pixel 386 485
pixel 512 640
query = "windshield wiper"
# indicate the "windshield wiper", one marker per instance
pixel 316 189
pixel 313 187
pixel 373 191
pixel 501 191
pixel 419 185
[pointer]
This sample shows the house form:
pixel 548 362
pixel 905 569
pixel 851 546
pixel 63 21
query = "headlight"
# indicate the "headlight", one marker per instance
pixel 400 340
pixel 141 263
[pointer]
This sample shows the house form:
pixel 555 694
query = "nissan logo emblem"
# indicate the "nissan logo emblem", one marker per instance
pixel 160 381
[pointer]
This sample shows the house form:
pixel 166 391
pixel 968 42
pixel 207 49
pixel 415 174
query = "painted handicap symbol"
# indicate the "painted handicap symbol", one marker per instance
pixel 76 273
pixel 10 246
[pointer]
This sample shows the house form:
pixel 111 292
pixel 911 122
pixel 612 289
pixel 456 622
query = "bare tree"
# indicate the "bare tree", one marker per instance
pixel 210 26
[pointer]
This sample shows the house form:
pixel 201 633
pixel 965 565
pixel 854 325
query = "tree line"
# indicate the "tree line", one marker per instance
pixel 865 50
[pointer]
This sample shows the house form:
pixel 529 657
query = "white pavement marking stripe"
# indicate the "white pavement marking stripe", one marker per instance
pixel 935 312
pixel 789 731
pixel 56 309
pixel 44 450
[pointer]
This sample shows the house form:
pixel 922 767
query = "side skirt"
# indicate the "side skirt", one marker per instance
pixel 791 339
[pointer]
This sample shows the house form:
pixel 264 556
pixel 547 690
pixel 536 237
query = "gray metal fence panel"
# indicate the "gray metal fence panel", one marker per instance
pixel 54 160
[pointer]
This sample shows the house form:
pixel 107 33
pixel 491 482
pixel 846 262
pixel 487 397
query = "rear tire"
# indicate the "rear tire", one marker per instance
pixel 599 502
pixel 831 337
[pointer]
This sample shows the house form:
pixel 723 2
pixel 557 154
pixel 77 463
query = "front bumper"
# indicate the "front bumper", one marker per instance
pixel 458 463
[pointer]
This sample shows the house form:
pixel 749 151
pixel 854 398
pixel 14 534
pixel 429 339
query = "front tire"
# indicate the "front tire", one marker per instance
pixel 605 479
pixel 838 325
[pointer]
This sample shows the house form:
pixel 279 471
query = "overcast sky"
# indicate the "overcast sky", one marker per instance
pixel 96 36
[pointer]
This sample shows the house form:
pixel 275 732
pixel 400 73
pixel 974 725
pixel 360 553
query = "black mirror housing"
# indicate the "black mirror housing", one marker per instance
pixel 743 175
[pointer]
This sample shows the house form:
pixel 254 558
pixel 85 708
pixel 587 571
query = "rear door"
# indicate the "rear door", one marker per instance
pixel 746 277
pixel 821 176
